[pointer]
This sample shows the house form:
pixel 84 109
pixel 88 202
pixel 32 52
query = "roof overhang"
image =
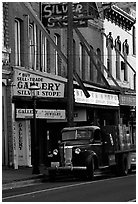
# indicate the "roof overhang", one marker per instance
pixel 119 17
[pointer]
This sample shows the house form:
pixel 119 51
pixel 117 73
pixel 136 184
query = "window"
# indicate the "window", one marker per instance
pixel 97 136
pixel 118 47
pixel 134 40
pixel 33 46
pixel 74 55
pixel 135 82
pixel 109 44
pixel 57 60
pixel 92 68
pixel 99 65
pixel 17 43
pixel 44 54
pixel 82 61
pixel 125 53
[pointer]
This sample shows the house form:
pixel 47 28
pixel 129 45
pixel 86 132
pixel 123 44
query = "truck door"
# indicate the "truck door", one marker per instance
pixel 99 147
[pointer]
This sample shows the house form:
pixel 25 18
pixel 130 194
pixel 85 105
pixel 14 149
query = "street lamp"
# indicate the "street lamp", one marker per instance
pixel 34 92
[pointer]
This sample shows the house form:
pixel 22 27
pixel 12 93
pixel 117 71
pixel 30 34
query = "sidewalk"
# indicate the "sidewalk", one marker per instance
pixel 12 178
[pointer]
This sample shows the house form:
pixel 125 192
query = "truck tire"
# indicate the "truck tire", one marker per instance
pixel 90 168
pixel 122 165
pixel 52 175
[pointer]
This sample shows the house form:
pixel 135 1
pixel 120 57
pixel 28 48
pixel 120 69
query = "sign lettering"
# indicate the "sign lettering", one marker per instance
pixel 48 87
pixel 52 14
pixel 40 113
pixel 96 98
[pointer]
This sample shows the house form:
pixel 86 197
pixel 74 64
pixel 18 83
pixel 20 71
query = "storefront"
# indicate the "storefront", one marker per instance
pixel 128 114
pixel 50 115
pixel 102 108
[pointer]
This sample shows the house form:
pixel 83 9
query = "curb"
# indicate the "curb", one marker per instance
pixel 24 182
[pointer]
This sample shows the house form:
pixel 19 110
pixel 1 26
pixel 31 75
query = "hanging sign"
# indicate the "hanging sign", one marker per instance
pixel 96 98
pixel 48 87
pixel 52 14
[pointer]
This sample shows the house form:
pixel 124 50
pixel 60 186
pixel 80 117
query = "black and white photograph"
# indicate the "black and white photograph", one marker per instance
pixel 68 101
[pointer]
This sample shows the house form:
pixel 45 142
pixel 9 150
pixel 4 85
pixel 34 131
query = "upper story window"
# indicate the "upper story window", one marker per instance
pixel 44 54
pixel 33 46
pixel 17 29
pixel 118 46
pixel 99 66
pixel 109 45
pixel 134 40
pixel 125 53
pixel 74 55
pixel 92 68
pixel 82 61
pixel 57 62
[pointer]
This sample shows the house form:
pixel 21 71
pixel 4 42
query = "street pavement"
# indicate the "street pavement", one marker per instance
pixel 12 178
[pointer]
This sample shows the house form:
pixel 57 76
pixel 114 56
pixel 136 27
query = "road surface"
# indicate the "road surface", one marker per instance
pixel 115 189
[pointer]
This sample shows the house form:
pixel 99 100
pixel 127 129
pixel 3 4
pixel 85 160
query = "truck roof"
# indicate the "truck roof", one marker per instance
pixel 92 127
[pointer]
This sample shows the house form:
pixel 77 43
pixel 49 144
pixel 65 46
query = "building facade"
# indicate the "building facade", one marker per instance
pixel 35 54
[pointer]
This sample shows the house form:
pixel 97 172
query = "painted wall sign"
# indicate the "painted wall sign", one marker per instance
pixel 96 98
pixel 127 100
pixel 48 87
pixel 53 13
pixel 40 113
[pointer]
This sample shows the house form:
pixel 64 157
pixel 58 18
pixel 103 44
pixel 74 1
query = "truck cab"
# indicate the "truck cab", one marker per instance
pixel 83 149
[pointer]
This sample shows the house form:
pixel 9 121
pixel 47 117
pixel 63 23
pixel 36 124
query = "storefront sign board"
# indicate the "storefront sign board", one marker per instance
pixel 96 98
pixel 54 14
pixel 127 100
pixel 40 113
pixel 48 88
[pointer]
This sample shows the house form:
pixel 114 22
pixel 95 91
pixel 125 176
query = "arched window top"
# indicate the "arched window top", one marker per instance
pixel 98 51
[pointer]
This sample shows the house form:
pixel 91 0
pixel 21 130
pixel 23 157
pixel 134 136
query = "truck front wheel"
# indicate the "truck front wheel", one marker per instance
pixel 90 168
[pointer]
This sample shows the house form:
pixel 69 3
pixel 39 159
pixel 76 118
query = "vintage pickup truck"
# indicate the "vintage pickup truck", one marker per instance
pixel 88 148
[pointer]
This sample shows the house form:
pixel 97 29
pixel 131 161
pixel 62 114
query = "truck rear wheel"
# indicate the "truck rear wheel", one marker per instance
pixel 52 175
pixel 122 166
pixel 90 168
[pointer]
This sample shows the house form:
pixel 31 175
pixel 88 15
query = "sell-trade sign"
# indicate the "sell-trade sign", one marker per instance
pixel 54 14
pixel 47 87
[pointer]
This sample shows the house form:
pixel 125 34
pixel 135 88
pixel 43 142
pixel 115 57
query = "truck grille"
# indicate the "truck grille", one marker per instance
pixel 66 155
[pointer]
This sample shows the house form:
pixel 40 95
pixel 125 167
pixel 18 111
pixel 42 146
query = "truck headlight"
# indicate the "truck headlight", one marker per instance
pixel 55 152
pixel 77 151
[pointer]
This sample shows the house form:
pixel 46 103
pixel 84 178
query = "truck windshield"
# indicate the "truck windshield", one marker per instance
pixel 76 134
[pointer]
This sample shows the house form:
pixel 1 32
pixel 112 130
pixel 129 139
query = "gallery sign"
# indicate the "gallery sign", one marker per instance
pixel 48 87
pixel 40 113
pixel 53 14
pixel 96 98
